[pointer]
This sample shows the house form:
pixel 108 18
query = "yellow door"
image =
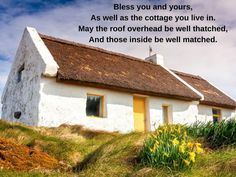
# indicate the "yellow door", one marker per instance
pixel 139 114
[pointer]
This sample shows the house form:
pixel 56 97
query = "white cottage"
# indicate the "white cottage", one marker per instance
pixel 53 81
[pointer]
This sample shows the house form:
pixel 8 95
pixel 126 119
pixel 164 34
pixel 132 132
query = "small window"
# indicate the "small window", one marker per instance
pixel 94 106
pixel 167 117
pixel 216 114
pixel 17 115
pixel 19 73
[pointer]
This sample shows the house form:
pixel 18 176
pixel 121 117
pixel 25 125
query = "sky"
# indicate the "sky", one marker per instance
pixel 59 18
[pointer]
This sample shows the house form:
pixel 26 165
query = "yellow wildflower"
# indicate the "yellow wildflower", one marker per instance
pixel 175 141
pixel 181 148
pixel 192 156
pixel 187 162
pixel 178 129
pixel 190 145
pixel 199 150
pixel 185 134
pixel 198 144
pixel 151 149
pixel 165 129
pixel 156 145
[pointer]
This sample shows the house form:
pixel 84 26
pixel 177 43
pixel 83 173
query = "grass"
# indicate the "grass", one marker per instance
pixel 114 158
pixel 218 163
pixel 53 140
pixel 101 154
pixel 215 134
pixel 54 146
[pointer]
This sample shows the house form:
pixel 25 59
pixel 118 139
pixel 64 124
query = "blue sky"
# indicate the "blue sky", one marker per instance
pixel 215 62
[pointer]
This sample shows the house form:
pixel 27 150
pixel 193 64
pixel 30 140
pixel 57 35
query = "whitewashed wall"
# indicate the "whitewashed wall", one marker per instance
pixel 65 103
pixel 183 112
pixel 205 113
pixel 60 103
pixel 23 96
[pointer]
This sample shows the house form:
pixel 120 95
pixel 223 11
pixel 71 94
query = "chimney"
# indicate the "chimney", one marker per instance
pixel 156 58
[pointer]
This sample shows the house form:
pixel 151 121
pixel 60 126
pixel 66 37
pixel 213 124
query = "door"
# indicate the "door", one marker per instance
pixel 139 114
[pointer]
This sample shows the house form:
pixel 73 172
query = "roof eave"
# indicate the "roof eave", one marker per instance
pixel 221 105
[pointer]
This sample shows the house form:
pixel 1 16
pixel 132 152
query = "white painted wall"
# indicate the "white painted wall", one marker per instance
pixel 64 103
pixel 205 113
pixel 183 112
pixel 24 96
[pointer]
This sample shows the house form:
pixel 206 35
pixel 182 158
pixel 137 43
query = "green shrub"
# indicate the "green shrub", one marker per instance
pixel 215 134
pixel 169 146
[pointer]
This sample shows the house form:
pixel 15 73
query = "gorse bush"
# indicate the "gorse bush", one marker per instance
pixel 169 146
pixel 215 134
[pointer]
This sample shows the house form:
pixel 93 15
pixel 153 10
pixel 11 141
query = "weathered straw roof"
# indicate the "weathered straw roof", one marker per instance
pixel 212 95
pixel 86 65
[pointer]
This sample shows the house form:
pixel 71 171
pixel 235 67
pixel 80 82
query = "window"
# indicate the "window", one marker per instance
pixel 17 115
pixel 94 105
pixel 216 114
pixel 19 73
pixel 166 112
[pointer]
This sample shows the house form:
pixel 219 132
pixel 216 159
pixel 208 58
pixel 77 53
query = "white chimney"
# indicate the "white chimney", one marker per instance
pixel 156 58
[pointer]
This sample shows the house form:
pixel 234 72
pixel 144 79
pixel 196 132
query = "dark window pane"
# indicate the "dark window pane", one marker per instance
pixel 17 115
pixel 94 105
pixel 216 114
pixel 19 74
pixel 214 111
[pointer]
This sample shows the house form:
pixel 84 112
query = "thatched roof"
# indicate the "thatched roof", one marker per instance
pixel 212 95
pixel 92 66
pixel 86 65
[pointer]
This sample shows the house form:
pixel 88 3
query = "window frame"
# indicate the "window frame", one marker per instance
pixel 102 113
pixel 169 114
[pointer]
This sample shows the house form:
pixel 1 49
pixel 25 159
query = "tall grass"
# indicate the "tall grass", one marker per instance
pixel 215 134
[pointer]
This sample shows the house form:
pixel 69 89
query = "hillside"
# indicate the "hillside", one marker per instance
pixel 82 152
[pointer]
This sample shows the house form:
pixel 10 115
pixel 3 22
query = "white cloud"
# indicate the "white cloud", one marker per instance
pixel 215 62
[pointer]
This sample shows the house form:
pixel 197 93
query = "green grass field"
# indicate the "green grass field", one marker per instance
pixel 90 153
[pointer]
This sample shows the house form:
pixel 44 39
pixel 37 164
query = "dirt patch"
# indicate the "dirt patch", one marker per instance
pixel 23 158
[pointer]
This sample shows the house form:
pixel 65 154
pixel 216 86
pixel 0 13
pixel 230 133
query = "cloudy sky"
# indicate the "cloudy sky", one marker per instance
pixel 60 18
